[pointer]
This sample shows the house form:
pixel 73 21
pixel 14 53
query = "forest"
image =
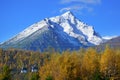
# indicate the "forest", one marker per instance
pixel 84 64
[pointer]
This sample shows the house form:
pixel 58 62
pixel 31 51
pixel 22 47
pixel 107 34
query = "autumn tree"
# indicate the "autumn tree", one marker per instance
pixel 62 67
pixel 90 65
pixel 109 63
pixel 34 76
pixel 6 73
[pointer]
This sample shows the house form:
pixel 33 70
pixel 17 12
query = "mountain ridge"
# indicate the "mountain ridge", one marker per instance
pixel 65 31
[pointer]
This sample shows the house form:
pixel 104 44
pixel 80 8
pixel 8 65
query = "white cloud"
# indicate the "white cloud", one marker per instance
pixel 77 8
pixel 65 9
pixel 72 8
pixel 80 6
pixel 81 1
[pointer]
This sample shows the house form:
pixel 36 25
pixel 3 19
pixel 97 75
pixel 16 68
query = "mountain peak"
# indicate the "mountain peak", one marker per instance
pixel 60 32
pixel 68 14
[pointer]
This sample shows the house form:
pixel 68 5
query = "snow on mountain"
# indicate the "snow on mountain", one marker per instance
pixel 65 27
pixel 28 31
pixel 77 29
pixel 109 37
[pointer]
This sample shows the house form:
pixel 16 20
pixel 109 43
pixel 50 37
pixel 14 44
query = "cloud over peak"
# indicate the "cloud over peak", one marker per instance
pixel 81 1
pixel 76 8
pixel 79 5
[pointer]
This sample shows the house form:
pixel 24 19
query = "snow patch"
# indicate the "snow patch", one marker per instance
pixel 109 37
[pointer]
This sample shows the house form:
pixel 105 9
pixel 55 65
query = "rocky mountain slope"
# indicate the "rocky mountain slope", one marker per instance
pixel 60 32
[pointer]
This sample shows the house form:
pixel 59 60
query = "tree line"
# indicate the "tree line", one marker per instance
pixel 85 64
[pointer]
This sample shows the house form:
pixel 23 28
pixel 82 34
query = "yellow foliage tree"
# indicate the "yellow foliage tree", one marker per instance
pixel 90 65
pixel 62 67
pixel 109 63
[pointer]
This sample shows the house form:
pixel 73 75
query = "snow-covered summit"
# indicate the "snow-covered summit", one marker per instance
pixel 75 28
pixel 66 27
pixel 68 15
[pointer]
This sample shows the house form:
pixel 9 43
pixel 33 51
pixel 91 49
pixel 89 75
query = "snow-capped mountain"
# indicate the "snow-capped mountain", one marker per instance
pixel 109 37
pixel 60 32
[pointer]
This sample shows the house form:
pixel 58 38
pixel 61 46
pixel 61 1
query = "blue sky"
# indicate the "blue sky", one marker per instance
pixel 16 15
